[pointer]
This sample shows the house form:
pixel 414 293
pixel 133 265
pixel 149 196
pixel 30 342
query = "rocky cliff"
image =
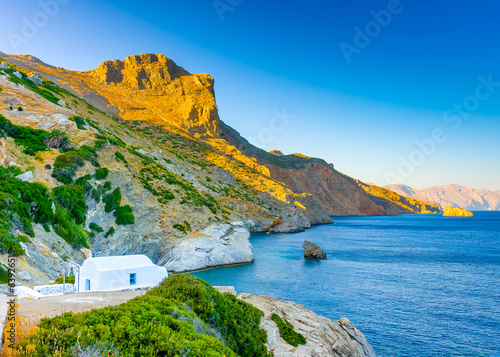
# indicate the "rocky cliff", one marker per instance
pixel 177 180
pixel 323 336
pixel 453 195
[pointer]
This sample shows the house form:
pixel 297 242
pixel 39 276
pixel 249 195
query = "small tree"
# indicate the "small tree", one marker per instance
pixel 57 139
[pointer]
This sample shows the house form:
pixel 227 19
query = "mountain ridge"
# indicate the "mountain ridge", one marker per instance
pixel 453 195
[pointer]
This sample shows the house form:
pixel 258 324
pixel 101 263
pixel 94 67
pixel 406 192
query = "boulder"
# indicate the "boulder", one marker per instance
pixel 27 176
pixel 313 251
pixel 35 78
pixel 456 212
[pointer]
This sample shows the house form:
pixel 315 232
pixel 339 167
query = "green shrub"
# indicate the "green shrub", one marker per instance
pixel 57 139
pixel 31 139
pixel 9 243
pixel 184 316
pixel 112 201
pixel 80 122
pixel 107 186
pixel 21 205
pixel 66 164
pixel 72 199
pixel 287 332
pixel 95 227
pixel 124 215
pixel 120 156
pixel 184 228
pixel 101 174
pixel 109 232
pixel 4 274
pixel 44 89
pixel 68 280
pixel 65 228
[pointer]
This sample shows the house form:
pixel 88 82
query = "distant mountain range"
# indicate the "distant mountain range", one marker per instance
pixel 453 195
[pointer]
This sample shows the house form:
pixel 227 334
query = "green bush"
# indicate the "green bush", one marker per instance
pixel 21 205
pixel 107 186
pixel 66 164
pixel 68 280
pixel 184 316
pixel 120 156
pixel 124 215
pixel 101 174
pixel 112 201
pixel 95 227
pixel 184 228
pixel 4 274
pixel 110 232
pixel 65 228
pixel 80 122
pixel 31 139
pixel 72 199
pixel 57 139
pixel 287 332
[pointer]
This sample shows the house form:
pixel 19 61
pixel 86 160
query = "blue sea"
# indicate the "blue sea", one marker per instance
pixel 415 285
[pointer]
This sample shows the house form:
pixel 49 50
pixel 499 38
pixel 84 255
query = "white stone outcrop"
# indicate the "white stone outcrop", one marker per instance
pixel 217 245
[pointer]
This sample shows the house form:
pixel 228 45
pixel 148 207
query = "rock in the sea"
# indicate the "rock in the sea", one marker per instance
pixel 217 245
pixel 324 337
pixel 313 251
pixel 456 212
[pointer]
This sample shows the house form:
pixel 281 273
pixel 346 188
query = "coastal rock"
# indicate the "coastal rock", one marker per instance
pixel 324 337
pixel 313 251
pixel 456 212
pixel 217 245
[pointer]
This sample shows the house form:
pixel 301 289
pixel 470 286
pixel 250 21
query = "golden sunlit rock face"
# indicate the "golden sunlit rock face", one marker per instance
pixel 153 88
pixel 456 212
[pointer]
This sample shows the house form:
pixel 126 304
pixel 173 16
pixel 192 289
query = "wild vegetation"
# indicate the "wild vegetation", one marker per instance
pixel 287 332
pixel 184 316
pixel 32 140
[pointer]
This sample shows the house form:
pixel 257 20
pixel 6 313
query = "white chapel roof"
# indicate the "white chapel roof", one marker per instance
pixel 120 262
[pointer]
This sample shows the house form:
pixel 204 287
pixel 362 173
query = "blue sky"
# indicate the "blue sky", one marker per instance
pixel 361 81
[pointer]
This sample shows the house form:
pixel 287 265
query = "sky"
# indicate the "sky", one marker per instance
pixel 388 91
